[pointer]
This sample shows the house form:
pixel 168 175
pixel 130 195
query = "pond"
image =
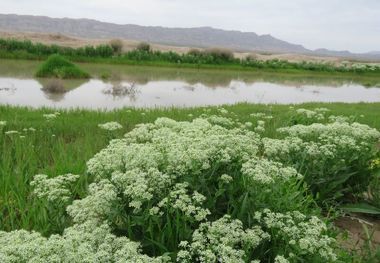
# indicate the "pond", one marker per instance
pixel 137 86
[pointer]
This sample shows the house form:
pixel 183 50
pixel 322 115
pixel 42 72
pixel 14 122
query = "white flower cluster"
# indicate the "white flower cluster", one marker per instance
pixel 223 111
pixel 11 132
pixel 224 240
pixel 219 120
pixel 306 235
pixel 78 244
pixel 225 178
pixel 181 148
pixel 102 201
pixel 51 116
pixel 262 171
pixel 3 123
pixel 140 186
pixel 260 128
pixel 258 115
pixel 317 114
pixel 325 149
pixel 56 190
pixel 110 126
pixel 179 199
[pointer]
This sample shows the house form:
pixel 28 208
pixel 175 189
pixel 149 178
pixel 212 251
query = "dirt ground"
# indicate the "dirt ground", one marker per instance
pixel 69 41
pixel 359 229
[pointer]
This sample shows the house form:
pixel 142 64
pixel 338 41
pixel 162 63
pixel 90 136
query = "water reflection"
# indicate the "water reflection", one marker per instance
pixel 97 94
pixel 119 90
pixel 151 87
pixel 211 78
pixel 56 89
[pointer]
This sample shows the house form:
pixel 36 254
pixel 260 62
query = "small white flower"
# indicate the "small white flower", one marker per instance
pixel 110 126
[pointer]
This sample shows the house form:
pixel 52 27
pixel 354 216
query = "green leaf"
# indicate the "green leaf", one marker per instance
pixel 361 208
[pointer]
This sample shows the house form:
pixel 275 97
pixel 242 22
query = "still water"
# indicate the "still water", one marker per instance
pixel 154 87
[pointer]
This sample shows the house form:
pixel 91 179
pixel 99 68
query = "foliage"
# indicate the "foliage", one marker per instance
pixel 58 67
pixel 43 50
pixel 116 45
pixel 143 47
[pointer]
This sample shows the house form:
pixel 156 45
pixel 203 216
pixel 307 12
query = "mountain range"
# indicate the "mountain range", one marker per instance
pixel 202 37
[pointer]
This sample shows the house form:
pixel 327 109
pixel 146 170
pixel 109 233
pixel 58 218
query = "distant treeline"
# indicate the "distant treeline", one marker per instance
pixel 112 53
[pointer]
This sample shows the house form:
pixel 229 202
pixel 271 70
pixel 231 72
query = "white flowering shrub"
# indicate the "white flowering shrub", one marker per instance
pixel 56 190
pixel 110 126
pixel 200 191
pixel 333 157
pixel 306 116
pixel 223 240
pixel 300 235
pixel 84 243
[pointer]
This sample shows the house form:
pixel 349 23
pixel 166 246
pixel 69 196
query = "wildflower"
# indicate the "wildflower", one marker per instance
pixel 190 205
pixel 55 190
pixel 258 115
pixel 80 243
pixel 305 233
pixel 11 132
pixel 222 239
pixel 225 178
pixel 3 123
pixel 248 124
pixel 317 114
pixel 267 172
pixel 50 117
pixel 110 126
pixel 223 111
pixel 281 259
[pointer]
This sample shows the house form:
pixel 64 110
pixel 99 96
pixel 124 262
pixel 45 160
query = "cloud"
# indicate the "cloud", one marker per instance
pixel 342 25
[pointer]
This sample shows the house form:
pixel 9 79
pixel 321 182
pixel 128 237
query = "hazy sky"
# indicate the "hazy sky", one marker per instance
pixel 335 24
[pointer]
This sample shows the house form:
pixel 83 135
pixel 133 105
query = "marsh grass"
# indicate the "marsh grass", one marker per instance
pixel 57 66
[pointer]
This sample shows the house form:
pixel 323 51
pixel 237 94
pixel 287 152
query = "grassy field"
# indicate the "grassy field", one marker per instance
pixel 44 141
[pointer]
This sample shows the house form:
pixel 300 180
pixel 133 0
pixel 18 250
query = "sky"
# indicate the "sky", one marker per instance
pixel 352 25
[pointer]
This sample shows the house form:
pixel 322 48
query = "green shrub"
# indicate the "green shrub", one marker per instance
pixel 143 46
pixel 58 67
pixel 116 45
pixel 220 54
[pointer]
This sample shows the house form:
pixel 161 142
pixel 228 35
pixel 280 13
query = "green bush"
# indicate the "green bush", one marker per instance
pixel 58 67
pixel 220 54
pixel 116 45
pixel 143 46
